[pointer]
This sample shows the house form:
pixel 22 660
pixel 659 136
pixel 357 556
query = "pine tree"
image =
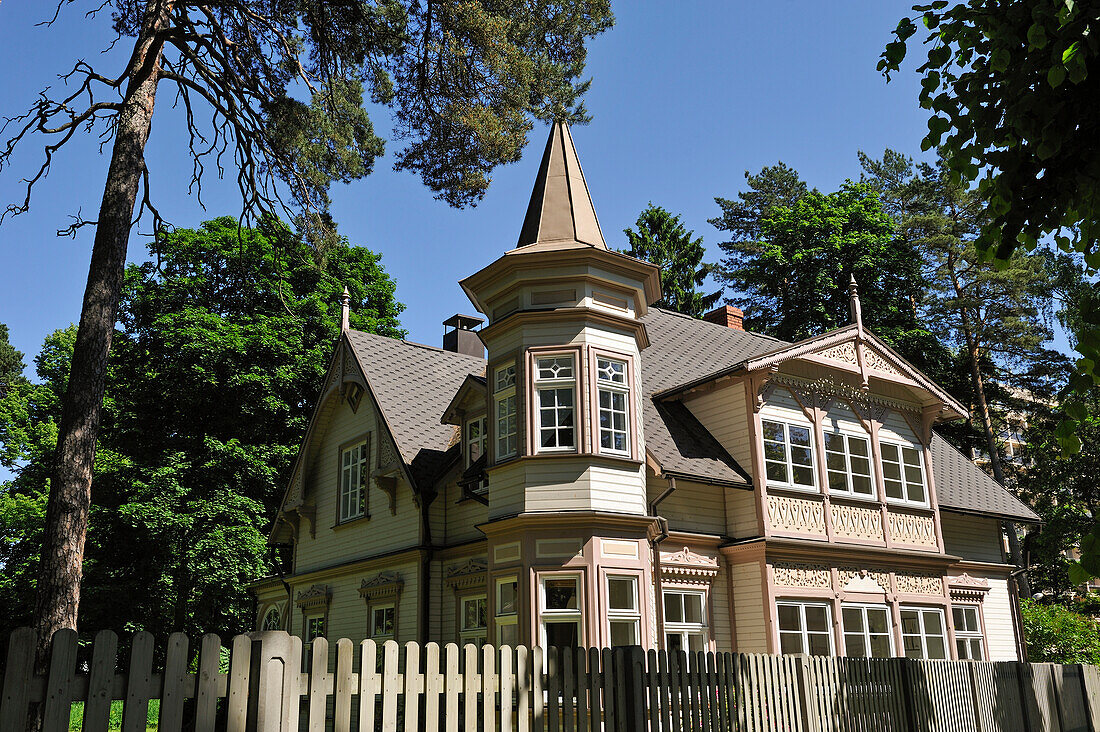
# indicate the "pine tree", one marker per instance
pixel 662 239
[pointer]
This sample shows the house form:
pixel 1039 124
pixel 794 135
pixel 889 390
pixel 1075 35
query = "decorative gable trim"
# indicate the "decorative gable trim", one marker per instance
pixel 686 565
pixel 471 574
pixel 965 587
pixel 317 597
pixel 384 585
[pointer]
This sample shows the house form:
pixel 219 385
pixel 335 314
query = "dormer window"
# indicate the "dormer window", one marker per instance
pixel 848 464
pixel 555 400
pixel 903 473
pixel 613 391
pixel 475 440
pixel 504 404
pixel 788 454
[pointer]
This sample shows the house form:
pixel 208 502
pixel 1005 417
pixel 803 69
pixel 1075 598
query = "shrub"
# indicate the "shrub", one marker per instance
pixel 1055 634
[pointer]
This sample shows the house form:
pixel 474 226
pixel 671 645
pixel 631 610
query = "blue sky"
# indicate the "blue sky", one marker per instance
pixel 686 97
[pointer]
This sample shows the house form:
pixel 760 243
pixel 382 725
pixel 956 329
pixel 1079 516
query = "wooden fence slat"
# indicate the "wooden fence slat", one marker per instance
pixel 413 686
pixel 101 677
pixel 452 686
pixel 240 663
pixel 174 692
pixel 344 685
pixel 18 673
pixel 553 688
pixel 537 718
pixel 135 710
pixel 654 695
pixel 507 687
pixel 609 679
pixel 634 657
pixel 473 686
pixel 206 694
pixel 433 687
pixel 318 684
pixel 488 690
pixel 523 689
pixel 391 685
pixel 582 684
pixel 59 681
pixel 370 683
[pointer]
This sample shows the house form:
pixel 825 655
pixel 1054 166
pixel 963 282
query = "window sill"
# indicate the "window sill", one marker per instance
pixel 350 522
pixel 855 498
pixel 801 490
pixel 895 503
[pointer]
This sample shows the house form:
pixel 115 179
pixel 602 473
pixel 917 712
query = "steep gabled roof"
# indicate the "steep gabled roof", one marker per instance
pixel 413 384
pixel 561 210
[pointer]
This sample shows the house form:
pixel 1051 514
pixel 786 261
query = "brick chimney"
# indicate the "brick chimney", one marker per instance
pixel 728 316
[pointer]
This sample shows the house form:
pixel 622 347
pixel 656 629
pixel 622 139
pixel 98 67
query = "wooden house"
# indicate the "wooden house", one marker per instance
pixel 586 469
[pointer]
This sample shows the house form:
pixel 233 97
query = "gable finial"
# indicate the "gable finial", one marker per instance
pixel 853 303
pixel 345 310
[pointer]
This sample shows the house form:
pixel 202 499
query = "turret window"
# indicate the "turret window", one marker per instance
pixel 613 390
pixel 555 398
pixel 504 400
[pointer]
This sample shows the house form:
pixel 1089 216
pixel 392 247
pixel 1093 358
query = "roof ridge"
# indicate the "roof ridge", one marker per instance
pixel 414 344
pixel 694 319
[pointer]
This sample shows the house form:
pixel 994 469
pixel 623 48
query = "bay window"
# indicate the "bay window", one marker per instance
pixel 923 633
pixel 685 620
pixel 805 627
pixel 555 402
pixel 867 631
pixel 613 393
pixel 624 615
pixel 560 613
pixel 848 464
pixel 507 611
pixel 788 454
pixel 969 642
pixel 504 400
pixel 354 463
pixel 903 473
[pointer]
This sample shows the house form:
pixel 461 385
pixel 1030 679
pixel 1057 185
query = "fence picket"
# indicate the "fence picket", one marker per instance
pixel 523 689
pixel 507 688
pixel 595 684
pixel 582 685
pixel 567 687
pixel 433 687
pixel 59 692
pixel 174 693
pixel 139 683
pixel 370 683
pixel 473 686
pixel 452 685
pixel 206 695
pixel 101 677
pixel 538 721
pixel 413 686
pixel 553 687
pixel 240 663
pixel 488 690
pixel 344 684
pixel 391 685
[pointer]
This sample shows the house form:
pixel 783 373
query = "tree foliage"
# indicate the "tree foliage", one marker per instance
pixel 1056 634
pixel 662 239
pixel 219 349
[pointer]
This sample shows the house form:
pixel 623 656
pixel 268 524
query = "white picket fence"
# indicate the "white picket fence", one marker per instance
pixel 266 686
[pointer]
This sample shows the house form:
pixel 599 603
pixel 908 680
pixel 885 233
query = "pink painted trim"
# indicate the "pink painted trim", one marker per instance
pixel 595 352
pixel 580 416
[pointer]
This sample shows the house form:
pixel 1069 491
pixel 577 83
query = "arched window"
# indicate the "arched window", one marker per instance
pixel 273 620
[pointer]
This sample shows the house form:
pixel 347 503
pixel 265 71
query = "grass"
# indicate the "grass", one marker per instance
pixel 76 716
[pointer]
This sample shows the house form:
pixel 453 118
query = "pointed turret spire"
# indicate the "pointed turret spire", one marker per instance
pixel 853 303
pixel 561 210
pixel 345 310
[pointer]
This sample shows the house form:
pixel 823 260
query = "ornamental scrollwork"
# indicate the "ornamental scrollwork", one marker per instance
pixel 791 574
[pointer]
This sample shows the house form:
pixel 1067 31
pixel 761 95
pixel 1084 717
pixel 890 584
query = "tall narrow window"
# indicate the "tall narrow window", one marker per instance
pixel 507 611
pixel 383 622
pixel 560 612
pixel 504 399
pixel 474 625
pixel 805 627
pixel 867 631
pixel 273 620
pixel 315 627
pixel 475 440
pixel 788 454
pixel 923 633
pixel 555 397
pixel 354 462
pixel 903 473
pixel 969 643
pixel 613 390
pixel 685 620
pixel 848 463
pixel 624 615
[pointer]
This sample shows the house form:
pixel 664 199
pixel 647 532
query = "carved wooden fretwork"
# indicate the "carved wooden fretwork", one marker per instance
pixel 865 581
pixel 846 574
pixel 792 574
pixel 317 596
pixel 914 529
pixel 878 362
pixel 965 587
pixel 856 522
pixel 308 512
pixel 470 574
pixel 387 454
pixel 843 352
pixel 383 585
pixel 827 388
pixel 918 584
pixel 387 483
pixel 800 515
pixel 294 492
pixel 763 394
pixel 686 564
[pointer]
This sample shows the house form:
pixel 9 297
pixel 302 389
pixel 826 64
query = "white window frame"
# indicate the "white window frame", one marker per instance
pixel 548 615
pixel 866 631
pixel 504 395
pixel 555 384
pixel 966 636
pixel 613 388
pixel 901 447
pixel 353 499
pixel 382 607
pixel 471 441
pixel 789 464
pixel 631 615
pixel 849 474
pixel 478 635
pixel 923 635
pixel 503 618
pixel 804 632
pixel 683 628
pixel 308 627
pixel 278 618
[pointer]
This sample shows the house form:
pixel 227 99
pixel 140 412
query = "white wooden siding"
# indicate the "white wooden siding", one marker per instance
pixel 693 507
pixel 999 629
pixel 741 513
pixel 973 538
pixel 783 406
pixel 841 418
pixel 895 429
pixel 748 608
pixel 723 412
pixel 720 613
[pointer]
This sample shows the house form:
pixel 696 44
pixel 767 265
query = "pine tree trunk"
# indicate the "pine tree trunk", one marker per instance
pixel 58 591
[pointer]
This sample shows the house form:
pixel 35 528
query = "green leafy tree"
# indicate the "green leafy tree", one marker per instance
pixel 1055 634
pixel 663 240
pixel 279 89
pixel 220 347
pixel 792 252
pixel 11 360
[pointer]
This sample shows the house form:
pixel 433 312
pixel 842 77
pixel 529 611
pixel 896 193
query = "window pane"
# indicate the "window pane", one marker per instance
pixel 858 446
pixel 508 634
pixel 894 490
pixel 854 645
pixel 800 436
pixel 819 644
pixel 803 476
pixel 834 442
pixel 936 648
pixel 817 618
pixel 789 617
pixel 621 593
pixel 562 633
pixel 624 633
pixel 878 620
pixel 862 484
pixel 506 598
pixel 674 642
pixel 561 594
pixel 880 646
pixel 674 610
pixel 773 431
pixel 693 608
pixel 912 646
pixel 790 643
pixel 835 461
pixel 853 619
pixel 889 452
pixel 933 625
pixel 801 456
pixel 696 642
pixel 777 472
pixel 910 623
pixel 774 451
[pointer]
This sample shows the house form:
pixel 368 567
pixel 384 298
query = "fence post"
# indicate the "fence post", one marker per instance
pixel 634 680
pixel 275 663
